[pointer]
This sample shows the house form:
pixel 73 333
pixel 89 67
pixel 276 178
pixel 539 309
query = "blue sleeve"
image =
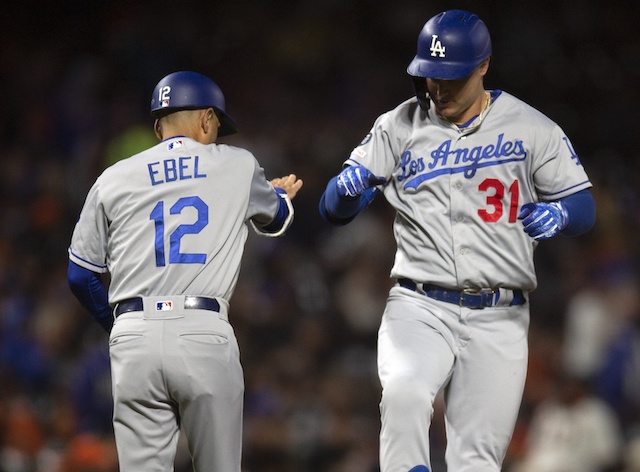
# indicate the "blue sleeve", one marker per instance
pixel 88 288
pixel 281 217
pixel 581 208
pixel 338 210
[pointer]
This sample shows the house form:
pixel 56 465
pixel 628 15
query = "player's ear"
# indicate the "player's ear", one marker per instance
pixel 484 66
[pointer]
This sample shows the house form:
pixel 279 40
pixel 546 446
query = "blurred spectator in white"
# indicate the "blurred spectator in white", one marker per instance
pixel 596 314
pixel 618 380
pixel 631 459
pixel 572 431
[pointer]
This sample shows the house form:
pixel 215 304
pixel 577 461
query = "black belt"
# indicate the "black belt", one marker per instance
pixel 191 303
pixel 468 298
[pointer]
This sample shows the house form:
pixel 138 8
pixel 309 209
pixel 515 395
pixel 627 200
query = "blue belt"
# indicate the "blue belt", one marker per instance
pixel 190 303
pixel 469 298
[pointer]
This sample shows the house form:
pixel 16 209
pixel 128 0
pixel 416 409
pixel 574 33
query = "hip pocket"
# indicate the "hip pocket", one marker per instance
pixel 203 337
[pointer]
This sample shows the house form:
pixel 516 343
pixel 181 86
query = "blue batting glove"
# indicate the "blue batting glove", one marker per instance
pixel 354 180
pixel 543 220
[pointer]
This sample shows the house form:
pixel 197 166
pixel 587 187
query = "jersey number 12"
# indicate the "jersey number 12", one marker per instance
pixel 175 256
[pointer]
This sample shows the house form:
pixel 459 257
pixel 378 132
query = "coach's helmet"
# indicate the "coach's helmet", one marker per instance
pixel 186 90
pixel 450 46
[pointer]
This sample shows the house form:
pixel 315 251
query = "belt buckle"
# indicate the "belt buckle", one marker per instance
pixel 480 293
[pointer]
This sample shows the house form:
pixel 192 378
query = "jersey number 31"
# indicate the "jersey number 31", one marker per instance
pixel 494 200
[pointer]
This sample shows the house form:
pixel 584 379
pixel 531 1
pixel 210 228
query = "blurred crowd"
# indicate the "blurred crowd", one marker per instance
pixel 305 80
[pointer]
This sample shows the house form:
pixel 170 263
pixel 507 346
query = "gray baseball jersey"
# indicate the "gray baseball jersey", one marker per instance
pixel 167 224
pixel 173 219
pixel 458 192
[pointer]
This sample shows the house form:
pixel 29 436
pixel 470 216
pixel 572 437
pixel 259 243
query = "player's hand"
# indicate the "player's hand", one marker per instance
pixel 290 184
pixel 354 180
pixel 543 220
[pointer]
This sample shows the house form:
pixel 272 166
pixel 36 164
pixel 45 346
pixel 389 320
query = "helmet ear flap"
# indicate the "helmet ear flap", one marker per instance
pixel 422 94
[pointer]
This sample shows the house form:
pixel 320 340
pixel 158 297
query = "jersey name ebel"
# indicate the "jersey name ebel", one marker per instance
pixel 170 170
pixel 463 160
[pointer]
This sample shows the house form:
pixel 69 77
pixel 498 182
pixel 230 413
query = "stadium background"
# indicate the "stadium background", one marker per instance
pixel 304 80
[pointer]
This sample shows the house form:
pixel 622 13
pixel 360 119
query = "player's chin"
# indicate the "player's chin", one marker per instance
pixel 447 110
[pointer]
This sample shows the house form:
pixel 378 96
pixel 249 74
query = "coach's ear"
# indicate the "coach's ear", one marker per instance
pixel 209 125
pixel 157 129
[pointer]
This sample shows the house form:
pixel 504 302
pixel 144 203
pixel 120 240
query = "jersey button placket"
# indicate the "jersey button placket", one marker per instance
pixel 459 229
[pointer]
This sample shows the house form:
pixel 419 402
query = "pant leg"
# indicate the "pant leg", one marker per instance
pixel 484 395
pixel 207 381
pixel 414 362
pixel 145 424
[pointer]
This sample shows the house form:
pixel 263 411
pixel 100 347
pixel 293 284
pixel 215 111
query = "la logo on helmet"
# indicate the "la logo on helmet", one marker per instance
pixel 436 46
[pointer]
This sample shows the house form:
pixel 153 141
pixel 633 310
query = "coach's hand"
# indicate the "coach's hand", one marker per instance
pixel 543 220
pixel 354 180
pixel 290 184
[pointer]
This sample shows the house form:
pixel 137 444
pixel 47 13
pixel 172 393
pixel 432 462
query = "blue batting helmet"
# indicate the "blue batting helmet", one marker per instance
pixel 450 46
pixel 186 90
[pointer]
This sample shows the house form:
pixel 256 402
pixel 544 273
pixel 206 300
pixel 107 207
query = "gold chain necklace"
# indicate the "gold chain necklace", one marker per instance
pixel 477 119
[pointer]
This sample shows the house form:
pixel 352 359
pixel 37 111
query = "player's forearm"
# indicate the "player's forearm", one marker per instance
pixel 339 210
pixel 91 293
pixel 581 210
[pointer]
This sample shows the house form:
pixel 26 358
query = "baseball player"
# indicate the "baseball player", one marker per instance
pixel 477 178
pixel 169 226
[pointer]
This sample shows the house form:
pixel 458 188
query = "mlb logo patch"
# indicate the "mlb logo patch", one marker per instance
pixel 164 103
pixel 359 152
pixel 164 306
pixel 175 144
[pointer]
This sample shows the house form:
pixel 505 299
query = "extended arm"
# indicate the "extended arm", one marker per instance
pixel 283 217
pixel 348 194
pixel 287 188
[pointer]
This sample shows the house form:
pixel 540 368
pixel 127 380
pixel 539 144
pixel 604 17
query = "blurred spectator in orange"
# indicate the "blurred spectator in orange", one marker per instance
pixel 89 453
